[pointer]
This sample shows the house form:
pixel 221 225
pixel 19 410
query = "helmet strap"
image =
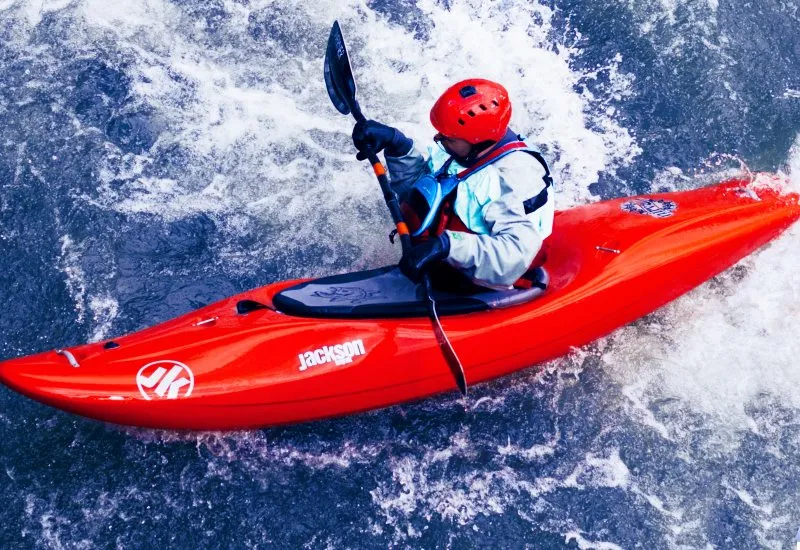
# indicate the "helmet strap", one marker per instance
pixel 474 151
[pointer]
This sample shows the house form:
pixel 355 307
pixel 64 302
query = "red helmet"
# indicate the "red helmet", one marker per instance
pixel 474 110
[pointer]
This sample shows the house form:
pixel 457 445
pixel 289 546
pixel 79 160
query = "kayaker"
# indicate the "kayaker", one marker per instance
pixel 479 201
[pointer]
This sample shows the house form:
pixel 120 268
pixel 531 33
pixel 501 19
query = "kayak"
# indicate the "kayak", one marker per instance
pixel 301 350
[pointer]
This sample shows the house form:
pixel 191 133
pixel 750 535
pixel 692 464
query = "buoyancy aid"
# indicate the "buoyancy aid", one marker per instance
pixel 429 209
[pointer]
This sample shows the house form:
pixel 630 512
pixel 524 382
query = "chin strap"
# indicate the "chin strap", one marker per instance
pixel 474 151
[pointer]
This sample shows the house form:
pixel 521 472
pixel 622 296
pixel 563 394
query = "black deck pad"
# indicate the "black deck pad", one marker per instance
pixel 387 293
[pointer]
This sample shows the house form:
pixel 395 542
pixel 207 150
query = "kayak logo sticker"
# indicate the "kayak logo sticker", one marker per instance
pixel 658 208
pixel 165 380
pixel 339 354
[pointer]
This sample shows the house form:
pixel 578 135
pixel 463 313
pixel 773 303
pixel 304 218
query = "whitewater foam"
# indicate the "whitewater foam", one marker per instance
pixel 104 310
pixel 792 169
pixel 259 133
pixel 722 346
pixel 75 278
pixel 726 344
pixel 643 422
pixel 493 481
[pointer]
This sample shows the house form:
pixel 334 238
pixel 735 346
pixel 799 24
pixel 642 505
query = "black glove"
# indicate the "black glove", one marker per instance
pixel 379 137
pixel 423 256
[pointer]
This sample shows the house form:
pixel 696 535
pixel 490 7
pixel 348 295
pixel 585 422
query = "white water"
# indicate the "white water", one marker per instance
pixel 257 117
pixel 267 146
pixel 726 344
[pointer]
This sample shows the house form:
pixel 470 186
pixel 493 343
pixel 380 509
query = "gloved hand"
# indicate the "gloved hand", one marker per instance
pixel 423 256
pixel 379 137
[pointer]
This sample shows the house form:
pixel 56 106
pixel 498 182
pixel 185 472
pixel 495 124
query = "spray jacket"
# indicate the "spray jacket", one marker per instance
pixel 500 215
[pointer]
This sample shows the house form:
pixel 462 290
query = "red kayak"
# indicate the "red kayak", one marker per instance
pixel 302 350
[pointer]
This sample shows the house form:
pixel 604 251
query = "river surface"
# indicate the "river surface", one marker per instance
pixel 158 155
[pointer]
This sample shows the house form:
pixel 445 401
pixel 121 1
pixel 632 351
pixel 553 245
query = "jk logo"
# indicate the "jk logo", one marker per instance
pixel 165 380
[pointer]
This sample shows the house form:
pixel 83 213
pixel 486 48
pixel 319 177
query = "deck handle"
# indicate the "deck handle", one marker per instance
pixel 70 357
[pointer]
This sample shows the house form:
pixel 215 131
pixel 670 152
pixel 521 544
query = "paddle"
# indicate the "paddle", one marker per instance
pixel 342 91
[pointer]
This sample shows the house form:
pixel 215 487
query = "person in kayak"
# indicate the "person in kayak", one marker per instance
pixel 480 201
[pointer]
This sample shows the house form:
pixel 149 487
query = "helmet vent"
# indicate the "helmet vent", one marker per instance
pixel 461 121
pixel 482 106
pixel 495 103
pixel 471 112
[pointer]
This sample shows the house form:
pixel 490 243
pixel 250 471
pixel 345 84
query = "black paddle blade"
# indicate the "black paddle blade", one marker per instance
pixel 339 75
pixel 445 346
pixel 450 355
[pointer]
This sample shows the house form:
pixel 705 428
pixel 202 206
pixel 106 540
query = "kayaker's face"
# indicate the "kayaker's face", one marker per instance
pixel 455 147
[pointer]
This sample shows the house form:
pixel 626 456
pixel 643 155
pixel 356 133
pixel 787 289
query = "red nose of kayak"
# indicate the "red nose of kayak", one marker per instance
pixel 37 376
pixel 6 373
pixel 82 382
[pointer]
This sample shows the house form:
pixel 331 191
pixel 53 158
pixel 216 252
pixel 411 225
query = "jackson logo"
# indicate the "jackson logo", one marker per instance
pixel 165 380
pixel 340 354
pixel 658 208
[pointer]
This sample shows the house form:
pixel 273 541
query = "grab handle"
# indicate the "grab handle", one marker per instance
pixel 69 356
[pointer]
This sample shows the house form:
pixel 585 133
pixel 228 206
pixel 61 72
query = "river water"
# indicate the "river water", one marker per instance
pixel 158 155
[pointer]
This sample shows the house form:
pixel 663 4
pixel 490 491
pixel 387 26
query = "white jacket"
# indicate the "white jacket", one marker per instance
pixel 490 203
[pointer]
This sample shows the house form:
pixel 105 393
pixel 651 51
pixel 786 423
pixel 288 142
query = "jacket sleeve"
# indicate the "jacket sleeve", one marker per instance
pixel 405 170
pixel 501 257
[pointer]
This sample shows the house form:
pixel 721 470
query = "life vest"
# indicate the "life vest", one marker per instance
pixel 429 209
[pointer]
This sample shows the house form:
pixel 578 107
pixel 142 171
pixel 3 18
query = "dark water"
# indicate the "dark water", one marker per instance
pixel 159 156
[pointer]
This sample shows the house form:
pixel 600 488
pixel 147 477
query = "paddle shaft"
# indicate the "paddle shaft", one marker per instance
pixel 405 240
pixel 388 193
pixel 342 90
